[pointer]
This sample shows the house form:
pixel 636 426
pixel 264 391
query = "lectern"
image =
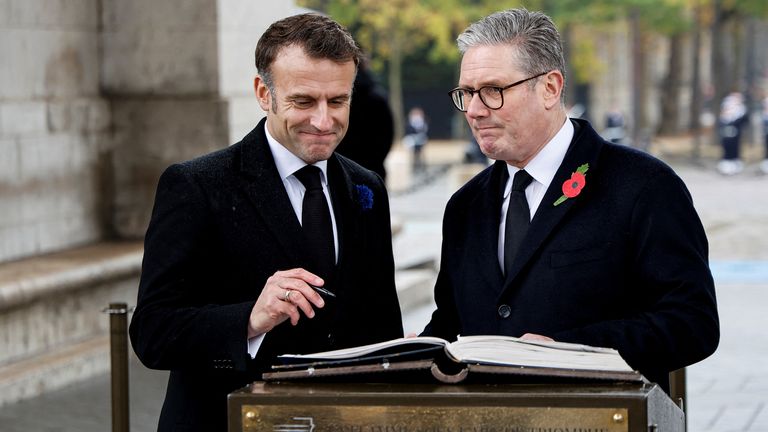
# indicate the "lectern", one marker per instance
pixel 380 407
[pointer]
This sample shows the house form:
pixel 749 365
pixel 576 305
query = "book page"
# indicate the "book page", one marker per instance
pixel 504 350
pixel 364 350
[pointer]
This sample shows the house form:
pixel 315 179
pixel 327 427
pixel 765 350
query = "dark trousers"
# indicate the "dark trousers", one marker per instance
pixel 731 148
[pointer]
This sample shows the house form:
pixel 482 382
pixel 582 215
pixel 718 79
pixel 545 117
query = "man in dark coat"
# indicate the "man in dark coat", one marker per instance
pixel 371 126
pixel 601 245
pixel 229 276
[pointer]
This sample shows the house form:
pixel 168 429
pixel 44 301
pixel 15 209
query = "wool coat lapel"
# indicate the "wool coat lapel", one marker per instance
pixel 585 148
pixel 488 205
pixel 263 185
pixel 340 186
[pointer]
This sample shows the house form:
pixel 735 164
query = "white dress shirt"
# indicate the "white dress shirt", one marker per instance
pixel 288 163
pixel 542 168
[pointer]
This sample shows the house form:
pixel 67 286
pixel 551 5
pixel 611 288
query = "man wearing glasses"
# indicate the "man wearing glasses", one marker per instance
pixel 566 237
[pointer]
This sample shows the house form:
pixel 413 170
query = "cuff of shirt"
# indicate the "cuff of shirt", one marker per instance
pixel 254 344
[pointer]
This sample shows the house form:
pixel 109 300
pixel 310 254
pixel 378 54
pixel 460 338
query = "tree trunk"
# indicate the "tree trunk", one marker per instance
pixel 395 79
pixel 670 88
pixel 639 124
pixel 694 122
pixel 570 76
pixel 752 70
pixel 722 58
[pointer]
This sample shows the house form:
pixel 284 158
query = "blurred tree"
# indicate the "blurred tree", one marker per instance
pixel 646 18
pixel 393 30
pixel 695 108
pixel 731 57
pixel 674 22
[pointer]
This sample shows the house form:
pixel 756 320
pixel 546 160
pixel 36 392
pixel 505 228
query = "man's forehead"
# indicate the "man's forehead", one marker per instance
pixel 488 64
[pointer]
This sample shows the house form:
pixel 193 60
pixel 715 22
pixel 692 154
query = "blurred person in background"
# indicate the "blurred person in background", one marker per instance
pixel 371 126
pixel 731 121
pixel 416 136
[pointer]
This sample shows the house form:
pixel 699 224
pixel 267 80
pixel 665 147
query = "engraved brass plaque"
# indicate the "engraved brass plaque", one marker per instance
pixel 350 418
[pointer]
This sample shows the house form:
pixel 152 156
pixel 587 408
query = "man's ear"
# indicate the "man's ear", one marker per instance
pixel 263 94
pixel 553 88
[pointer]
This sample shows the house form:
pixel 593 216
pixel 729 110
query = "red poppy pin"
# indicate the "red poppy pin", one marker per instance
pixel 573 186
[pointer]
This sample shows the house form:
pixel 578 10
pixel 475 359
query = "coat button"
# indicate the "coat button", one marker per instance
pixel 331 339
pixel 505 311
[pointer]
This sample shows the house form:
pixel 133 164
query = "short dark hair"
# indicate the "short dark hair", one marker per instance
pixel 319 36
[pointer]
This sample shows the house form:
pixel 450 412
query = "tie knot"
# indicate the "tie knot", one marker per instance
pixel 309 176
pixel 521 181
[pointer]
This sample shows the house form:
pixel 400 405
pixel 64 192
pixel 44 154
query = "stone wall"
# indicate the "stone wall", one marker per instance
pixel 100 95
pixel 53 126
pixel 240 24
pixel 161 77
pixel 182 89
pixel 97 97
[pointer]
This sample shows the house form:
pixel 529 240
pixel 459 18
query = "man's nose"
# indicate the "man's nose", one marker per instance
pixel 321 118
pixel 476 107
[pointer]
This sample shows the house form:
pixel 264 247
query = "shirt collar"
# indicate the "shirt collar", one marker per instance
pixel 288 163
pixel 544 165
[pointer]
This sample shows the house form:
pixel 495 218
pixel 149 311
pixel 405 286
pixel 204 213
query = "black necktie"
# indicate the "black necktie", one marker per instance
pixel 316 223
pixel 518 218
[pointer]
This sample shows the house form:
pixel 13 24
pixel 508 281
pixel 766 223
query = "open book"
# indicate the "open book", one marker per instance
pixel 479 354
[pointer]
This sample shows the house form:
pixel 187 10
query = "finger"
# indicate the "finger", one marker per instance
pixel 300 273
pixel 297 298
pixel 303 288
pixel 287 280
pixel 292 312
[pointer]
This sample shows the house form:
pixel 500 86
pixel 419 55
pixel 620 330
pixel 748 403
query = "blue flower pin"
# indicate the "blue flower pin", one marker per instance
pixel 364 196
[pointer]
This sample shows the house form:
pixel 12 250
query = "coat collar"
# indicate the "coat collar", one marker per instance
pixel 266 190
pixel 584 148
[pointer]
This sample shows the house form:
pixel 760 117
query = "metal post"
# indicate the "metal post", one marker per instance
pixel 677 391
pixel 118 339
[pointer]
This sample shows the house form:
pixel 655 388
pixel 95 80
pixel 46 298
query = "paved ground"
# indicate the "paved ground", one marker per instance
pixel 727 392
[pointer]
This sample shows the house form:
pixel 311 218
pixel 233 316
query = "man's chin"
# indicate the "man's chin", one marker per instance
pixel 318 153
pixel 487 146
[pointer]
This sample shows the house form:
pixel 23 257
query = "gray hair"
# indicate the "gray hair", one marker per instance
pixel 532 35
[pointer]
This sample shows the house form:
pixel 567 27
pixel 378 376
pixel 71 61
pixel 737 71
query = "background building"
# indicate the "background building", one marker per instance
pixel 96 98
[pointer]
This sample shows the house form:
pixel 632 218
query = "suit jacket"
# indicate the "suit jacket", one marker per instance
pixel 222 224
pixel 623 264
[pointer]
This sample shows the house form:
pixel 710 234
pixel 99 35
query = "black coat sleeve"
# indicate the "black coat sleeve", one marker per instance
pixel 175 324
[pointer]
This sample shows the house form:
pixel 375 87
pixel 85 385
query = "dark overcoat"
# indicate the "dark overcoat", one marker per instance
pixel 221 225
pixel 623 264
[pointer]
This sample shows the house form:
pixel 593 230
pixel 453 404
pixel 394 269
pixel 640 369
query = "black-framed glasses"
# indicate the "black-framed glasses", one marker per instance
pixel 490 96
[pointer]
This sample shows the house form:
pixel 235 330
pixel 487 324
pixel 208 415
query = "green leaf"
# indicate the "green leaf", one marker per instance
pixel 560 200
pixel 583 169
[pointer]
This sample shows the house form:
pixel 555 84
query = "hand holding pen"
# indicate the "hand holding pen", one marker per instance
pixel 285 294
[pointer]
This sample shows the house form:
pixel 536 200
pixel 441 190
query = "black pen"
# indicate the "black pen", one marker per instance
pixel 323 291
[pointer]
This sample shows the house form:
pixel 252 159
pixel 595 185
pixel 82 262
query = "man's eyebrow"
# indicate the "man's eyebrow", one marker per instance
pixel 299 96
pixel 493 83
pixel 307 96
